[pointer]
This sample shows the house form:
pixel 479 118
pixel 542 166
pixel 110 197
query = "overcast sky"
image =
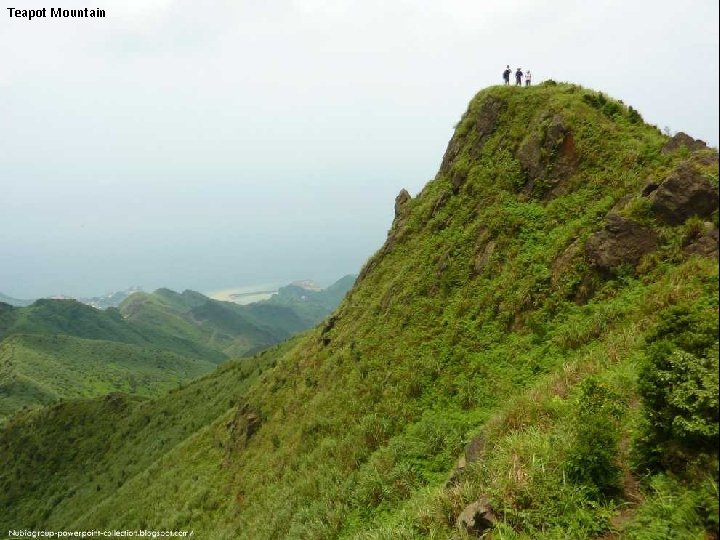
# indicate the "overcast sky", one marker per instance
pixel 211 144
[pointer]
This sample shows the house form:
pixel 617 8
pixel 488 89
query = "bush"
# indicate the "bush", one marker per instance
pixel 679 387
pixel 592 455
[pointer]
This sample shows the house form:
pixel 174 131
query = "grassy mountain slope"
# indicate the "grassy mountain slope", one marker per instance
pixel 101 444
pixel 39 369
pixel 537 334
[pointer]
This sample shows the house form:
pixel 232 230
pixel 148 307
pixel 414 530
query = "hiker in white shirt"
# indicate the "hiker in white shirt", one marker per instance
pixel 528 78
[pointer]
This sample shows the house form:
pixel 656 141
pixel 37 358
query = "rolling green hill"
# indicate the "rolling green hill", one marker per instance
pixel 230 328
pixel 531 354
pixel 60 349
pixel 72 318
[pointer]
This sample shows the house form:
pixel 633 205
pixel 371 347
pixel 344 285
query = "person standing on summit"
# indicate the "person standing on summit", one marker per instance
pixel 506 75
pixel 528 78
pixel 518 77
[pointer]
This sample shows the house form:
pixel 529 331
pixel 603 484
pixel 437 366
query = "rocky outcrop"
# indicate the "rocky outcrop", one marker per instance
pixel 401 203
pixel 680 140
pixel 474 452
pixel 548 157
pixel 621 241
pixel 477 517
pixel 486 120
pixel 683 194
pixel 402 210
pixel 244 425
pixel 704 242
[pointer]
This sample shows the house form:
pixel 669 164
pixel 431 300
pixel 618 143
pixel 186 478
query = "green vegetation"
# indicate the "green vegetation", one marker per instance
pixel 78 453
pixel 38 369
pixel 59 349
pixel 582 380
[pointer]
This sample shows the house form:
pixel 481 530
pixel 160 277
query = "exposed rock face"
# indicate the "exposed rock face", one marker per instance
pixel 683 194
pixel 486 121
pixel 622 241
pixel 485 124
pixel 441 201
pixel 548 156
pixel 477 517
pixel 402 209
pixel 683 139
pixel 483 257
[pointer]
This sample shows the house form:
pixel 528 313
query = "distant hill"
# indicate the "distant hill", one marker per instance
pixel 229 328
pixel 310 303
pixel 14 301
pixel 72 318
pixel 113 299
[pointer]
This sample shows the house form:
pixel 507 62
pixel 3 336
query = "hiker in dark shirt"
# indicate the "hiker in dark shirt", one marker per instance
pixel 518 77
pixel 506 75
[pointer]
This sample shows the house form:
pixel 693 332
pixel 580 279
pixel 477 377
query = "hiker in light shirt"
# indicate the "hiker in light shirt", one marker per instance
pixel 528 78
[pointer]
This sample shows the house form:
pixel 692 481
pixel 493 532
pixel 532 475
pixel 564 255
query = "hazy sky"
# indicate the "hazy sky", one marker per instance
pixel 221 143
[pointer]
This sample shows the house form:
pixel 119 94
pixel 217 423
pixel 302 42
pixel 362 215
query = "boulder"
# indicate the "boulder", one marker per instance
pixel 474 452
pixel 682 139
pixel 621 241
pixel 477 517
pixel 683 194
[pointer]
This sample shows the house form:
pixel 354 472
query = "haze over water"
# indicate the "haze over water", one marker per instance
pixel 245 143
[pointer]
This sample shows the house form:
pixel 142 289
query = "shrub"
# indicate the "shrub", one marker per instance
pixel 679 387
pixel 592 455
